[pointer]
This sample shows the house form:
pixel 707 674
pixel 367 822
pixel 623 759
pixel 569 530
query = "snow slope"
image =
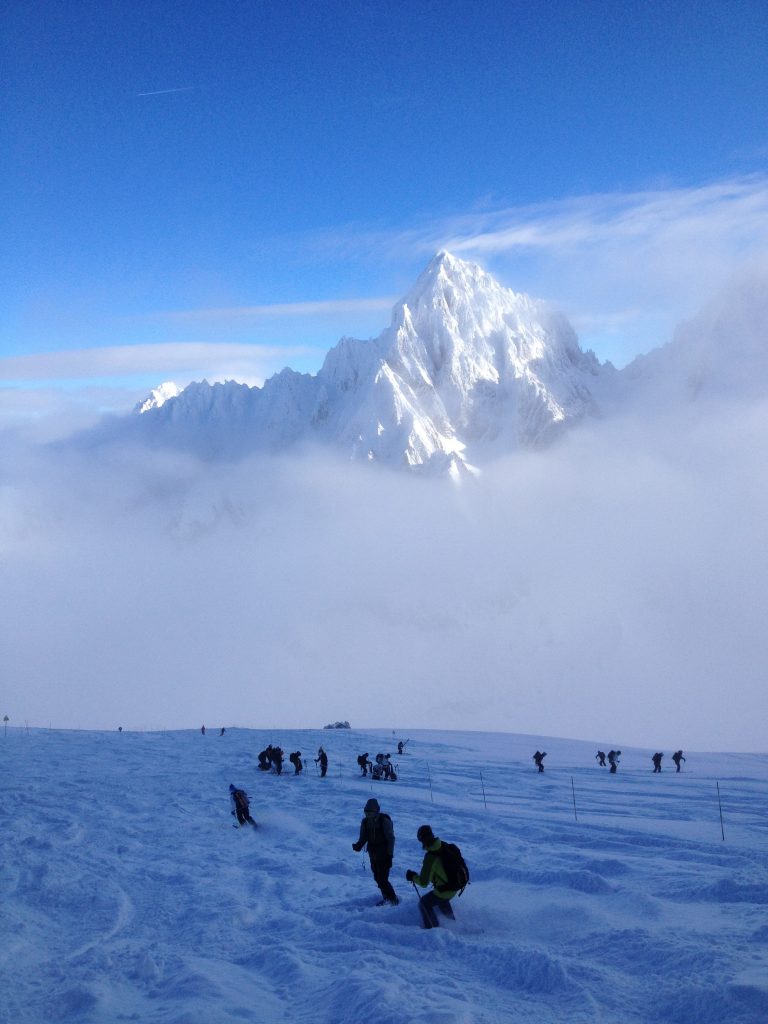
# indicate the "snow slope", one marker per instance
pixel 127 895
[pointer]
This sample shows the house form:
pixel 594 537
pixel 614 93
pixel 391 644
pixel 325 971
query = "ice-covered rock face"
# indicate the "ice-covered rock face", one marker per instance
pixel 159 396
pixel 466 367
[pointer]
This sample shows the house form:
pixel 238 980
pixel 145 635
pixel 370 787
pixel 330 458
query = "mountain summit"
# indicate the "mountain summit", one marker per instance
pixel 466 366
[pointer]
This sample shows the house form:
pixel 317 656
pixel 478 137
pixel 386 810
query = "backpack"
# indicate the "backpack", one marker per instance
pixel 455 868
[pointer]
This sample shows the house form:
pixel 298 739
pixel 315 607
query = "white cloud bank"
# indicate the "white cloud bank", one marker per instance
pixel 611 589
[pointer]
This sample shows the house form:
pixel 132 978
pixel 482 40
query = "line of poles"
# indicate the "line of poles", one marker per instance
pixel 573 797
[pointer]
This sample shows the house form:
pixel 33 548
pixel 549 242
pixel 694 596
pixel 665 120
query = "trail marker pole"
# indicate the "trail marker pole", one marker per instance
pixel 431 794
pixel 719 804
pixel 573 791
pixel 5 726
pixel 483 786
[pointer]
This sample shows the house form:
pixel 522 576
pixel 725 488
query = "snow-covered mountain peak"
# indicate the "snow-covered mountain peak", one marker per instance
pixel 465 365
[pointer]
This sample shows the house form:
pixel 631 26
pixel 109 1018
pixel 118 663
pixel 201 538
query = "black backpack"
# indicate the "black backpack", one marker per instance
pixel 455 868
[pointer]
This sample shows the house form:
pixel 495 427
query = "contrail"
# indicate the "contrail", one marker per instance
pixel 163 92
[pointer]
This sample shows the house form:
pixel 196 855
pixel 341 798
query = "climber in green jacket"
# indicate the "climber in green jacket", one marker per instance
pixel 432 872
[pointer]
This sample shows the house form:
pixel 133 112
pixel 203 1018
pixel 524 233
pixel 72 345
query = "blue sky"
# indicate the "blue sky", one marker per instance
pixel 223 188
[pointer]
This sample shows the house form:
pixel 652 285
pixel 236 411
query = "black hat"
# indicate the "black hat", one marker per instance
pixel 425 835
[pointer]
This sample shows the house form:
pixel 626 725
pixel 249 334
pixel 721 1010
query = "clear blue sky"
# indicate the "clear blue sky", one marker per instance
pixel 214 157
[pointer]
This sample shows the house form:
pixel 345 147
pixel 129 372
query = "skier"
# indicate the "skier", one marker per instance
pixel 613 760
pixel 400 748
pixel 364 763
pixel 677 757
pixel 600 758
pixel 202 729
pixel 277 759
pixel 538 757
pixel 322 757
pixel 295 759
pixel 432 871
pixel 377 833
pixel 265 759
pixel 240 806
pixel 657 762
pixel 223 730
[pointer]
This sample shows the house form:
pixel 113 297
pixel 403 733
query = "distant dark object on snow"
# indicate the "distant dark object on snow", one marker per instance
pixel 338 725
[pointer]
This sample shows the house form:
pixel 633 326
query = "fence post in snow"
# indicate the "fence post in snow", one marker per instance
pixel 573 791
pixel 719 804
pixel 483 785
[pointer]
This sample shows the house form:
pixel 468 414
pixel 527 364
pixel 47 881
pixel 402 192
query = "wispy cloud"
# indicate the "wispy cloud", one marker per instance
pixel 186 359
pixel 244 314
pixel 165 92
pixel 659 252
pixel 731 213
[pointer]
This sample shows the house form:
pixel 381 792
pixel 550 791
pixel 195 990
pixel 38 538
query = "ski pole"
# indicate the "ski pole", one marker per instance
pixel 427 916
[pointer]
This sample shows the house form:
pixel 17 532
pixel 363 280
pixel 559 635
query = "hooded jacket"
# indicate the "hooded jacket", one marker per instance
pixel 377 831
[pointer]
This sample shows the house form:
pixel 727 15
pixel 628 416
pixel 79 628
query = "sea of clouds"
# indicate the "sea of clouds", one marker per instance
pixel 609 588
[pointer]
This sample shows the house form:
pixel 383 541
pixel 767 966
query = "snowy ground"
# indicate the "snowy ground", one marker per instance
pixel 126 895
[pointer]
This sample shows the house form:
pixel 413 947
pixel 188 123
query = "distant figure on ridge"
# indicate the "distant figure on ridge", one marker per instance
pixel 202 730
pixel 377 833
pixel 600 758
pixel 677 757
pixel 223 730
pixel 613 760
pixel 322 757
pixel 240 806
pixel 538 758
pixel 657 762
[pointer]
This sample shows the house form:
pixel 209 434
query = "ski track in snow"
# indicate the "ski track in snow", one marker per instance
pixel 126 895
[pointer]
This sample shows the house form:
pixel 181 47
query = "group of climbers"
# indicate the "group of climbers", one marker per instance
pixel 271 759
